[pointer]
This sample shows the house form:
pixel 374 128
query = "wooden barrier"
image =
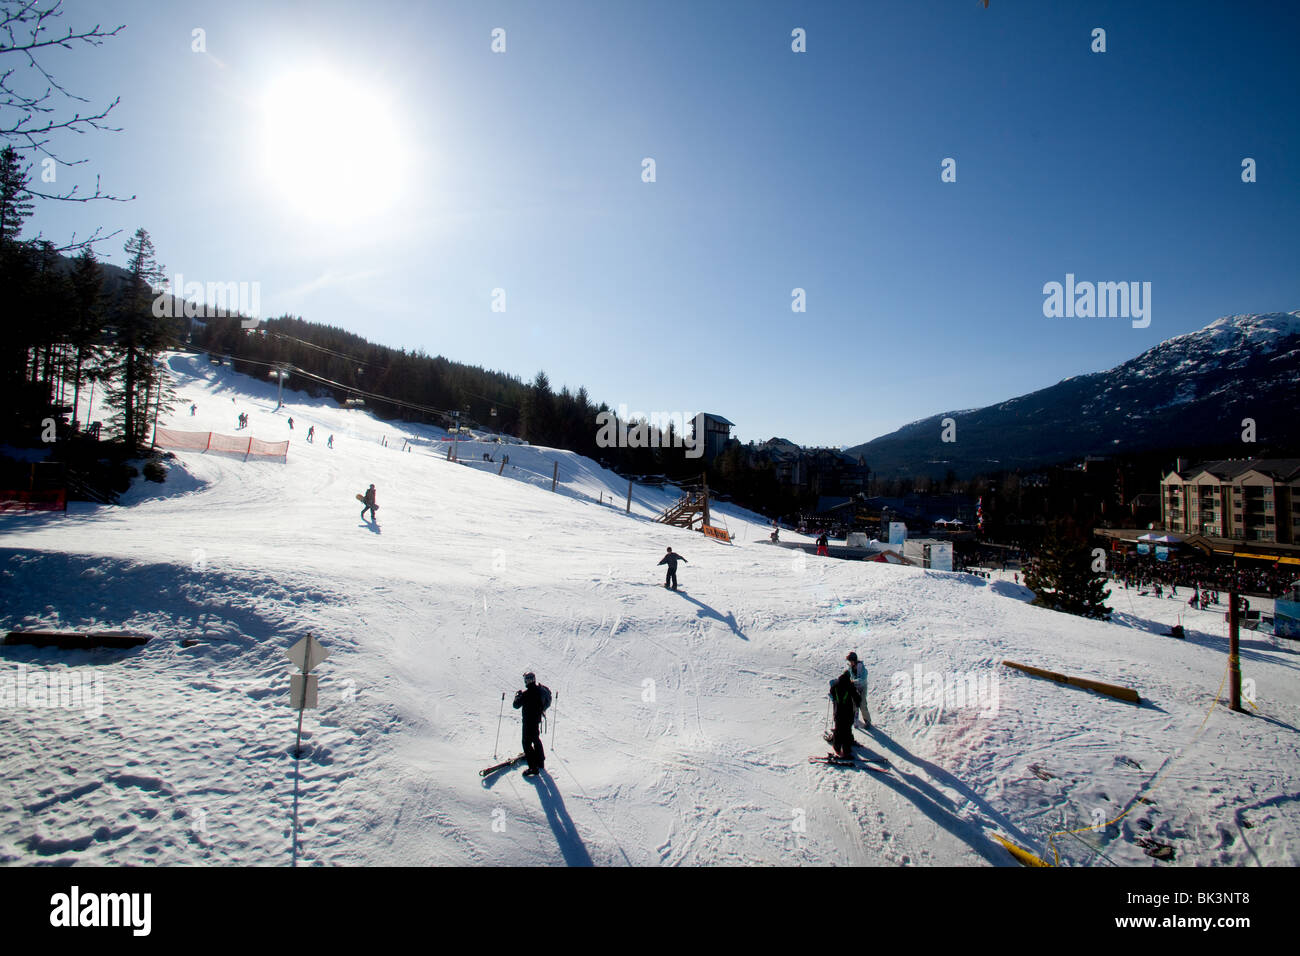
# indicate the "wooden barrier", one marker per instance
pixel 73 640
pixel 1111 690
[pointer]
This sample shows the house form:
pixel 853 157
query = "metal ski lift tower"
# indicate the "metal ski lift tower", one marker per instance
pixel 281 372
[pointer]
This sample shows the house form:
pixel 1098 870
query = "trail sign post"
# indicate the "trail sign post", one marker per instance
pixel 306 654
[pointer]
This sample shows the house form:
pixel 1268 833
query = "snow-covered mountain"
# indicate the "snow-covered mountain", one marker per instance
pixel 1189 391
pixel 682 723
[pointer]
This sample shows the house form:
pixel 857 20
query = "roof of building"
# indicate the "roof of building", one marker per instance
pixel 709 416
pixel 1285 469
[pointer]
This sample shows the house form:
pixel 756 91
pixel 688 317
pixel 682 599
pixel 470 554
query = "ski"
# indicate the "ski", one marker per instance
pixel 834 761
pixel 868 760
pixel 488 771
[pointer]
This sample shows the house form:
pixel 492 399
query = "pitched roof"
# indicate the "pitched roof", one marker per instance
pixel 1283 469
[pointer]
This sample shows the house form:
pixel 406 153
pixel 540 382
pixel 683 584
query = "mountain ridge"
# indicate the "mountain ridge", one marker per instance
pixel 1192 389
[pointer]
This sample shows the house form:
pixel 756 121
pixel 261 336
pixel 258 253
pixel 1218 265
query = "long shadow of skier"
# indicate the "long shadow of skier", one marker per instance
pixel 566 834
pixel 939 808
pixel 728 619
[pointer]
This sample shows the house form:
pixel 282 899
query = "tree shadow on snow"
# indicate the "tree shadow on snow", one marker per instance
pixel 51 589
pixel 1253 646
pixel 566 834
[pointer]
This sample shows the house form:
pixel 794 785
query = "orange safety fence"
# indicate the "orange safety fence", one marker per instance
pixel 214 441
pixel 56 500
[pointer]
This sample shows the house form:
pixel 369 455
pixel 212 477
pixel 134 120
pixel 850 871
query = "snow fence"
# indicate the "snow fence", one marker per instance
pixel 215 441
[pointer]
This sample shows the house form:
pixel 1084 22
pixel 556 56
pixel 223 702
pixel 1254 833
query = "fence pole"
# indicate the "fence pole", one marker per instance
pixel 1234 658
pixel 555 474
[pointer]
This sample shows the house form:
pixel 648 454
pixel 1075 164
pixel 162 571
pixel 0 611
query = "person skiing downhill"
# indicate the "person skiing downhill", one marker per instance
pixel 671 559
pixel 858 674
pixel 846 699
pixel 311 432
pixel 532 702
pixel 368 503
pixel 331 441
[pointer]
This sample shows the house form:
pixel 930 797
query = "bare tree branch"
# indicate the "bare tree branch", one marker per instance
pixel 29 120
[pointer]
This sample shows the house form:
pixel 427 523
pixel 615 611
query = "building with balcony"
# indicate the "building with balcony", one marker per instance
pixel 1248 499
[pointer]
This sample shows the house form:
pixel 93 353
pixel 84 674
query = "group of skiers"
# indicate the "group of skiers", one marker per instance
pixel 242 421
pixel 848 694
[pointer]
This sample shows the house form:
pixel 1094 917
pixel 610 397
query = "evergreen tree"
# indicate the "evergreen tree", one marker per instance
pixel 1062 578
pixel 15 200
pixel 140 336
pixel 539 412
pixel 86 306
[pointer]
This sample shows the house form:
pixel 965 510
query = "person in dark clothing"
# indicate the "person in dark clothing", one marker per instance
pixel 822 543
pixel 311 433
pixel 331 441
pixel 531 703
pixel 846 700
pixel 671 559
pixel 291 423
pixel 368 503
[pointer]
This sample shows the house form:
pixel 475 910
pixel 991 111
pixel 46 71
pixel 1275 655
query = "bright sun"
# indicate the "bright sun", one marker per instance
pixel 331 148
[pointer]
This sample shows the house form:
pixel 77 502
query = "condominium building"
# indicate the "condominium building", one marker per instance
pixel 1248 499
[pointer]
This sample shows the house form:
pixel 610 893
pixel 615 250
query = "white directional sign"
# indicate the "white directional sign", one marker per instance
pixel 307 653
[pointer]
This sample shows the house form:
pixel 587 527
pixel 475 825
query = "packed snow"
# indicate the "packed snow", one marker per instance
pixel 683 722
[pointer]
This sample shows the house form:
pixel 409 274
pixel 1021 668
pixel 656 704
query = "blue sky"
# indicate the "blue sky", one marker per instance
pixel 463 171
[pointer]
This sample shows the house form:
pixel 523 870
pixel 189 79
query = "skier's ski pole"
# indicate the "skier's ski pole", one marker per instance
pixel 500 711
pixel 828 716
pixel 556 720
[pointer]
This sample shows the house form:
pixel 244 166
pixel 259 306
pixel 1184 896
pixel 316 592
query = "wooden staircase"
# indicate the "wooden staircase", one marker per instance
pixel 691 507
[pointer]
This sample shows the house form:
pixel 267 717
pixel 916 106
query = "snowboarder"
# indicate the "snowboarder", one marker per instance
pixel 193 409
pixel 311 432
pixel 671 559
pixel 776 533
pixel 858 674
pixel 822 543
pixel 532 702
pixel 290 423
pixel 331 441
pixel 845 697
pixel 368 503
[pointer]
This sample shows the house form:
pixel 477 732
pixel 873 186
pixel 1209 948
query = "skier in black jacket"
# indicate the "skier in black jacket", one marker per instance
pixel 670 559
pixel 531 702
pixel 846 698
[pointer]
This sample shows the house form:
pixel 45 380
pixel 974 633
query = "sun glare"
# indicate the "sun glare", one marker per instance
pixel 331 147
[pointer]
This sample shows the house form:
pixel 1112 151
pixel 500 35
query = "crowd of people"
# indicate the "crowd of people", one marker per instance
pixel 1215 578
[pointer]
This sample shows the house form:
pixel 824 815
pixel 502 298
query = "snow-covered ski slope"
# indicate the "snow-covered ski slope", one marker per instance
pixel 683 722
